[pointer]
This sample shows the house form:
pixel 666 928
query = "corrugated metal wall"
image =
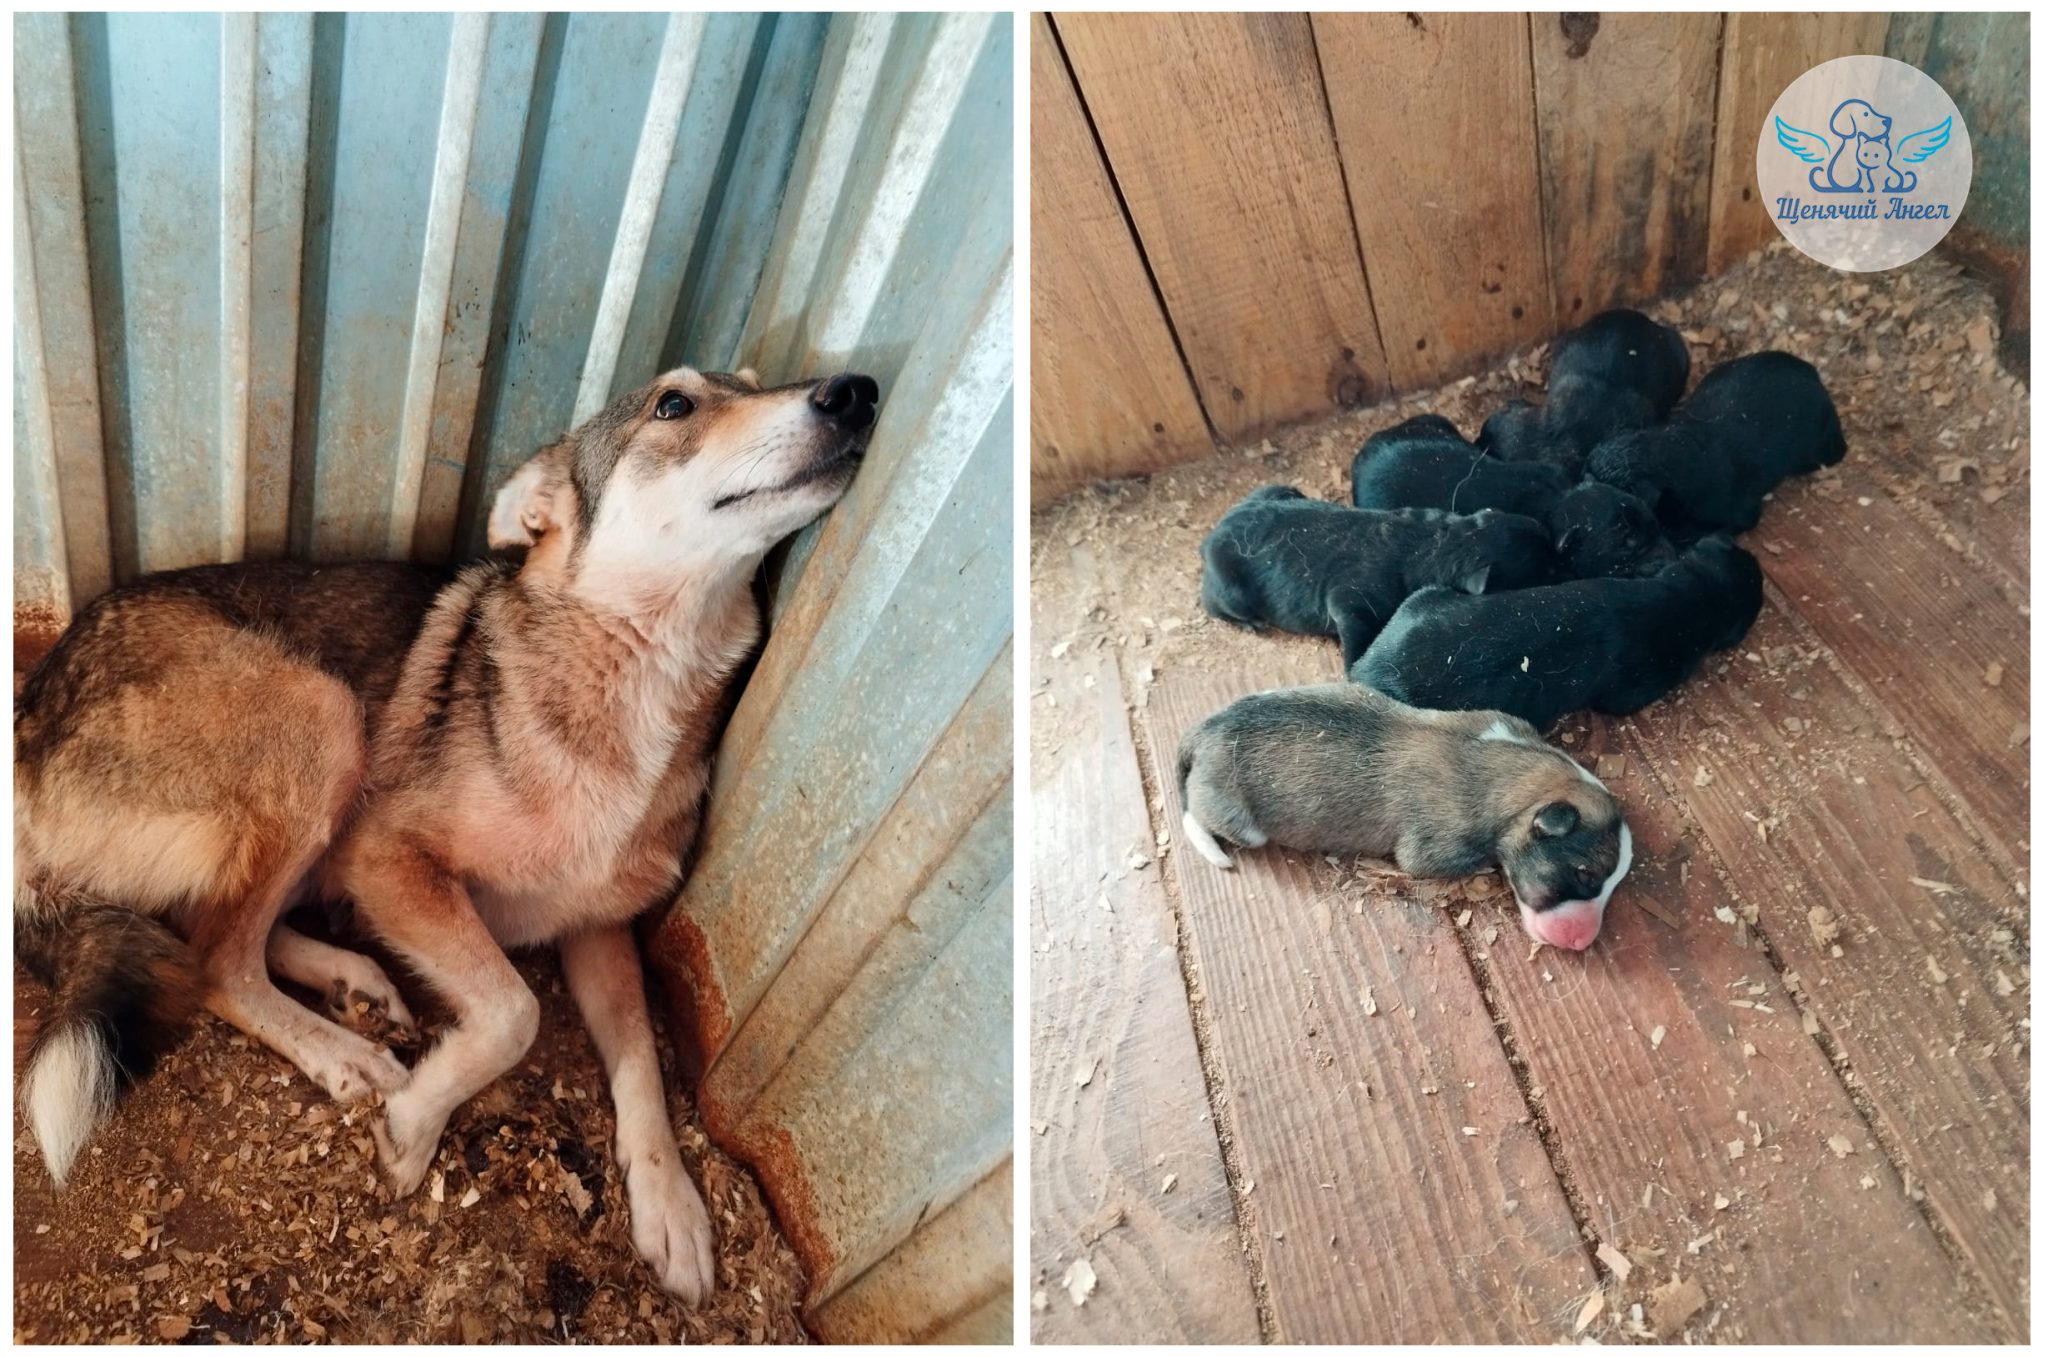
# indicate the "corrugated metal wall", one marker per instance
pixel 311 285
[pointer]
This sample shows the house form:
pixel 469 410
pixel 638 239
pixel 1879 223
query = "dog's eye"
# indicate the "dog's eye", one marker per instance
pixel 672 405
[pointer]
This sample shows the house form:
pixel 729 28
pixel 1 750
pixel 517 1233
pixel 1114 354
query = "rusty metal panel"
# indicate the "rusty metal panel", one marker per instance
pixel 310 285
pixel 846 936
pixel 940 1271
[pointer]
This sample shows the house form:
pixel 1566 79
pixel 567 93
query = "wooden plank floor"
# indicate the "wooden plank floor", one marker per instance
pixel 1127 1178
pixel 1783 1099
pixel 1128 1191
pixel 1374 1110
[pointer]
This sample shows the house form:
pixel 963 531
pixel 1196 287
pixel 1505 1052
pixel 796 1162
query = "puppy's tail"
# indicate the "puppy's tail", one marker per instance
pixel 1183 760
pixel 122 987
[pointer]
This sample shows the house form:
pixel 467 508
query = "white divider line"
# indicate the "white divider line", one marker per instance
pixel 461 95
pixel 672 77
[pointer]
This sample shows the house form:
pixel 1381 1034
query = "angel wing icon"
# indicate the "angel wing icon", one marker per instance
pixel 1810 147
pixel 1924 143
pixel 1867 161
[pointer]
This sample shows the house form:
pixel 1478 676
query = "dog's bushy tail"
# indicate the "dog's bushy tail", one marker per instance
pixel 122 988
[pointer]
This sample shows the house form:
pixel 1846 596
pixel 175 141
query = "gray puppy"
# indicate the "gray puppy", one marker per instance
pixel 1342 768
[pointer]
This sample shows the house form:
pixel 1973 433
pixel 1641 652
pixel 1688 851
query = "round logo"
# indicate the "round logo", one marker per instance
pixel 1864 163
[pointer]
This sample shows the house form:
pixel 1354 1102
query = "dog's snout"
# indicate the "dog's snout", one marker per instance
pixel 848 398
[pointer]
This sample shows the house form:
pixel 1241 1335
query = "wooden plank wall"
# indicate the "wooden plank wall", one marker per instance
pixel 1243 221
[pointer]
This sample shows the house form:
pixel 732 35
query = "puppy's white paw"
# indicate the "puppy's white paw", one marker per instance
pixel 405 1145
pixel 671 1229
pixel 1204 842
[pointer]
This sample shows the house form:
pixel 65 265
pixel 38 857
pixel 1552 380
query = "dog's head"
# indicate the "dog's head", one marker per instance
pixel 693 470
pixel 1514 432
pixel 1730 580
pixel 1855 118
pixel 1490 550
pixel 1628 461
pixel 1604 530
pixel 1564 850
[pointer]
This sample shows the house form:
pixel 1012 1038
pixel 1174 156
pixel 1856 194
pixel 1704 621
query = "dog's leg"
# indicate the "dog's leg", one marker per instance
pixel 293 792
pixel 342 976
pixel 424 914
pixel 231 943
pixel 670 1227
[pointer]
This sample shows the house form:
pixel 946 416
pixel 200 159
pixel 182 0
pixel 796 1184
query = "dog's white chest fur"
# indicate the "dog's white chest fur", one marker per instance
pixel 544 839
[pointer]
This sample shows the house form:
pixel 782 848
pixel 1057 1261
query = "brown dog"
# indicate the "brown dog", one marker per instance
pixel 514 756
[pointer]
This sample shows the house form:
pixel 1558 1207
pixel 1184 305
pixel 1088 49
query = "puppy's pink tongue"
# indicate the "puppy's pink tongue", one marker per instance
pixel 1572 925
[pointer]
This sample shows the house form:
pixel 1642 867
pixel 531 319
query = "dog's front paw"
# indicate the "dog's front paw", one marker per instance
pixel 405 1144
pixel 366 997
pixel 670 1228
pixel 353 1069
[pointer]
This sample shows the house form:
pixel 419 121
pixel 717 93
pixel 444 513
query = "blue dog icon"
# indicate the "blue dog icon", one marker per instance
pixel 1865 160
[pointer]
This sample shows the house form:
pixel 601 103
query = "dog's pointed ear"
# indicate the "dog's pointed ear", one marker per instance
pixel 531 504
pixel 1474 582
pixel 1555 820
pixel 750 377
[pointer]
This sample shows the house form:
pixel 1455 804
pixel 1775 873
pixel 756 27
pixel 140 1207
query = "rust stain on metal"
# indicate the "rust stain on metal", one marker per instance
pixel 700 1022
pixel 771 1152
pixel 36 629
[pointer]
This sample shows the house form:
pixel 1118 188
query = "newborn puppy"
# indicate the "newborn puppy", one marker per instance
pixel 1417 429
pixel 1402 468
pixel 1612 645
pixel 1599 530
pixel 1338 768
pixel 1594 532
pixel 1517 433
pixel 1281 559
pixel 1619 371
pixel 1753 422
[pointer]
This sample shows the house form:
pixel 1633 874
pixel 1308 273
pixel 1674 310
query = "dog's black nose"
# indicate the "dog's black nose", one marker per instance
pixel 848 399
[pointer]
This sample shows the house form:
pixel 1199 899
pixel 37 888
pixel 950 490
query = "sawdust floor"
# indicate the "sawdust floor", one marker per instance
pixel 230 1201
pixel 1783 1098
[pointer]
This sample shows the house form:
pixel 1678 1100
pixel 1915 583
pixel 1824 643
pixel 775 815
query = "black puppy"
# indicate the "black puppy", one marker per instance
pixel 1753 422
pixel 1599 530
pixel 1619 371
pixel 1281 559
pixel 1422 463
pixel 1614 646
pixel 1416 465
